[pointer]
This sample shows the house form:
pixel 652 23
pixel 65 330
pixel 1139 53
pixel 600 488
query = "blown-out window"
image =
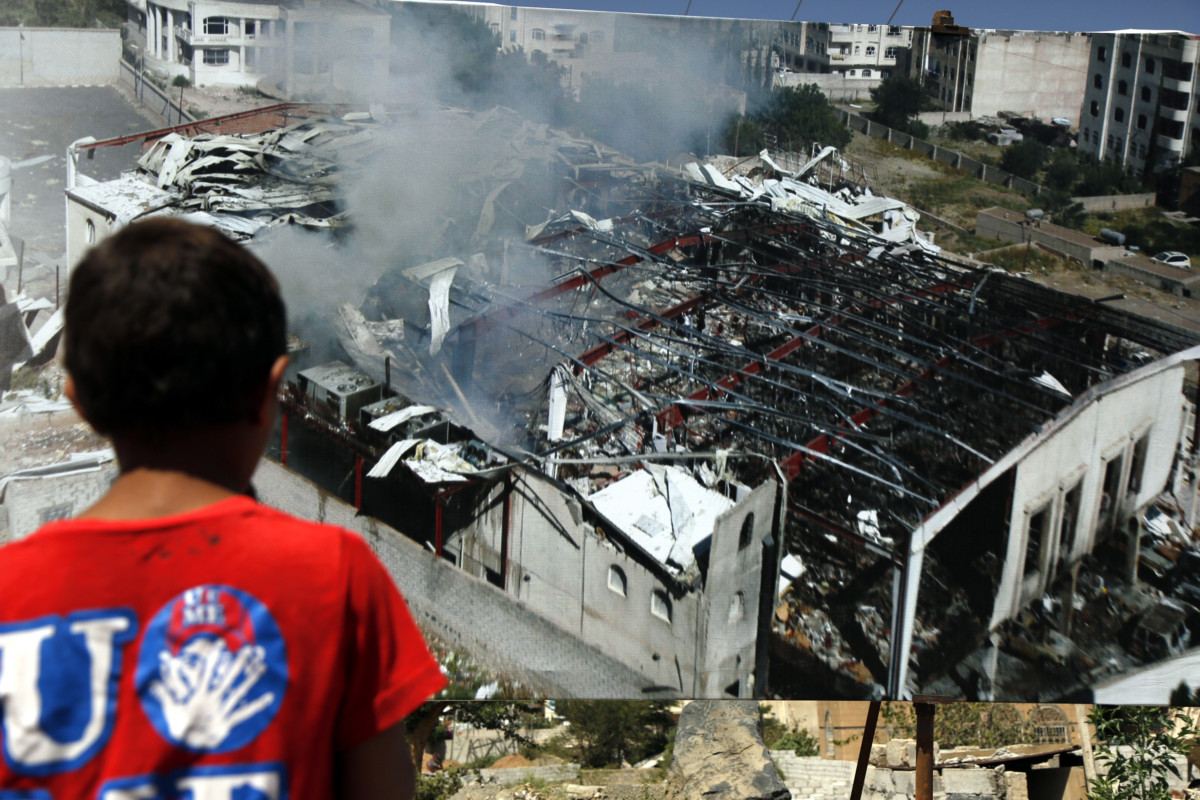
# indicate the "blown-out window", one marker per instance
pixel 616 580
pixel 660 605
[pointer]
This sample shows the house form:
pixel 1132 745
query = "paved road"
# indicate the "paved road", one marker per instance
pixel 35 123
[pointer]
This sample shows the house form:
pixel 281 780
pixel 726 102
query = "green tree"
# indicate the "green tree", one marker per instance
pixel 800 115
pixel 777 736
pixel 1024 159
pixel 1138 745
pixel 743 136
pixel 607 732
pixel 980 725
pixel 898 100
pixel 423 726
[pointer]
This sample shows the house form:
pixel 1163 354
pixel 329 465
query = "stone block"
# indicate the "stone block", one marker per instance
pixel 897 752
pixel 905 783
pixel 1016 786
pixel 881 781
pixel 980 782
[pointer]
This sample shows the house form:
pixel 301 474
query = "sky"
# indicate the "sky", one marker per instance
pixel 1046 15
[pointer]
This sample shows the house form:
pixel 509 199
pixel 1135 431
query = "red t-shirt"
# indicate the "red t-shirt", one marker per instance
pixel 223 653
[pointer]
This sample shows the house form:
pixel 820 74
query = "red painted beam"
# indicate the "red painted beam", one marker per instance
pixel 792 465
pixel 592 356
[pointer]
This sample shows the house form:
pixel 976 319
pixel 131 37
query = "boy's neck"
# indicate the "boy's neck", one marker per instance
pixel 146 493
pixel 175 472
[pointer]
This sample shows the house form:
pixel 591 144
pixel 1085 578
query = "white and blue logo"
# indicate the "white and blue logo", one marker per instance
pixel 212 669
pixel 58 687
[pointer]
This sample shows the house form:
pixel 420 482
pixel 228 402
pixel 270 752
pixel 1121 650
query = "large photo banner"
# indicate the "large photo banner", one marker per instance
pixel 678 357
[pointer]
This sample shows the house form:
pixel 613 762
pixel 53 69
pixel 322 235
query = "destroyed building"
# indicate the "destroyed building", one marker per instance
pixel 626 410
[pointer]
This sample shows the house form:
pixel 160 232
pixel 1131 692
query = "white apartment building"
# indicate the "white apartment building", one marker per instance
pixel 1140 109
pixel 868 52
pixel 307 47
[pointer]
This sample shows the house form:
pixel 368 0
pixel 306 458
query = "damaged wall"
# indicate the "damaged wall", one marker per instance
pixel 498 632
pixel 731 596
pixel 567 569
pixel 1107 431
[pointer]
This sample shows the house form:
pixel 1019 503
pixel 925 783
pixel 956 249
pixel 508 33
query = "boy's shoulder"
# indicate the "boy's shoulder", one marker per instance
pixel 239 525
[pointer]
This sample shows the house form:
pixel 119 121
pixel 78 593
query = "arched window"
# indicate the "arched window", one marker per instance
pixel 1149 66
pixel 1119 114
pixel 1126 59
pixel 1141 122
pixel 870 50
pixel 1122 87
pixel 90 235
pixel 1146 93
pixel 747 533
pixel 830 747
pixel 617 581
pixel 1097 81
pixel 1094 109
pixel 660 605
pixel 1048 724
pixel 866 73
pixel 539 35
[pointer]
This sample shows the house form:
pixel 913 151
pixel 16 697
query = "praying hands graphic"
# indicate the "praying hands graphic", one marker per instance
pixel 201 690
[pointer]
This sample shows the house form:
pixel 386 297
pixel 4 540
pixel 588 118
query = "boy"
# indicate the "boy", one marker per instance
pixel 178 639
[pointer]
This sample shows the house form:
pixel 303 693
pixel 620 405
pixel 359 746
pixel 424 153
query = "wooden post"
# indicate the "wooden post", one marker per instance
pixel 358 459
pixel 864 751
pixel 924 776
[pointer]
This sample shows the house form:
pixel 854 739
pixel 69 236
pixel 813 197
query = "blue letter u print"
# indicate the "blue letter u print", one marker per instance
pixel 58 687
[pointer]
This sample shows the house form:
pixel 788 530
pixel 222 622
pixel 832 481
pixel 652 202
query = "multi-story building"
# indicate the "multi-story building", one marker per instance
pixel 307 47
pixel 1140 109
pixel 865 52
pixel 1031 73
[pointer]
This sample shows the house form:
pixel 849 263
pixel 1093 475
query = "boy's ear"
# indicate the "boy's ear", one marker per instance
pixel 72 394
pixel 264 407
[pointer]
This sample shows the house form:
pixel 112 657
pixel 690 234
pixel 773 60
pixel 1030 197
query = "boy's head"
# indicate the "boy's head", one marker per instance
pixel 170 325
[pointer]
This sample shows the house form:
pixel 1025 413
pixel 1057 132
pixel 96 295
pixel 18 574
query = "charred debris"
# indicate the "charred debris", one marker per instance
pixel 584 316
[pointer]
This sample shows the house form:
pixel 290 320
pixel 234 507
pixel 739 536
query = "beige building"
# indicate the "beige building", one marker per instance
pixel 1031 73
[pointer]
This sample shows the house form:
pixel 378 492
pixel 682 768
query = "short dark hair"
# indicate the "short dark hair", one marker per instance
pixel 170 325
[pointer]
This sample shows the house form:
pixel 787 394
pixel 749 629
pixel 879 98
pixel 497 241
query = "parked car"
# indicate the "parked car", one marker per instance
pixel 1173 258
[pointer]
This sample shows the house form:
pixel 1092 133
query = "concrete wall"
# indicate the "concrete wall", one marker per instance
pixel 1116 202
pixel 32 502
pixel 1077 454
pixel 1032 74
pixel 467 613
pixel 731 594
pixel 58 56
pixel 513 775
pixel 559 566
